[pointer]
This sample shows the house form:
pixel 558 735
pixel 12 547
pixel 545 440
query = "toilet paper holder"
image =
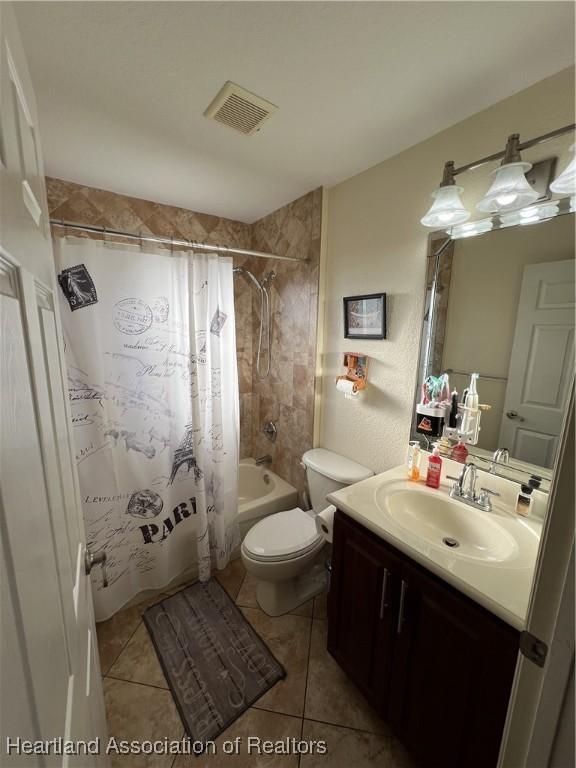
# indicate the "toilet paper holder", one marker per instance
pixel 356 365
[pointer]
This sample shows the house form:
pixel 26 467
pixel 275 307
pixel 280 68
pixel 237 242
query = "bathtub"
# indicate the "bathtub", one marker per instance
pixel 261 493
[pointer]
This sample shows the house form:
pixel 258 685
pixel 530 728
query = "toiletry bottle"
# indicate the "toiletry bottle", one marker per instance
pixel 413 461
pixel 524 501
pixel 434 469
pixel 460 452
pixel 444 447
pixel 470 406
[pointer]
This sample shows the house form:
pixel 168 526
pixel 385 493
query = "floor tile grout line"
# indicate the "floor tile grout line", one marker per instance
pixel 121 651
pixel 273 711
pixel 124 647
pixel 173 763
pixel 138 682
pixel 307 675
pixel 383 734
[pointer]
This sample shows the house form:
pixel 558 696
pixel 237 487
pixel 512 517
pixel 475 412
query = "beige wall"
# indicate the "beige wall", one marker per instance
pixel 376 243
pixel 485 288
pixel 287 396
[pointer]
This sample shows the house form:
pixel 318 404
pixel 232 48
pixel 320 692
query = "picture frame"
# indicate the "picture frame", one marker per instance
pixel 365 316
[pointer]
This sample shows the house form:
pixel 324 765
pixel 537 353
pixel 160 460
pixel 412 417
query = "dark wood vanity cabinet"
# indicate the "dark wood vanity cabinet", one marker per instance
pixel 437 666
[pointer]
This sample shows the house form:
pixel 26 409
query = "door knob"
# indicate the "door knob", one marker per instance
pixel 514 415
pixel 91 559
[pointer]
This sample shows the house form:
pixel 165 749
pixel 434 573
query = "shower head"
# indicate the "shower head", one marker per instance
pixel 248 276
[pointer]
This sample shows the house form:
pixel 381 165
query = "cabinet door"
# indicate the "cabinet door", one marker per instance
pixel 362 606
pixel 452 675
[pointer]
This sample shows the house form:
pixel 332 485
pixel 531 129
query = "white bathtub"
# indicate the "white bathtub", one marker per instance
pixel 261 493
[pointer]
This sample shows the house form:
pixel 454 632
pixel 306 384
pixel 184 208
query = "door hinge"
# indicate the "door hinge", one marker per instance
pixel 532 648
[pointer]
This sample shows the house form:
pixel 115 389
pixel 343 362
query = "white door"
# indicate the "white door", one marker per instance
pixel 539 730
pixel 50 683
pixel 541 364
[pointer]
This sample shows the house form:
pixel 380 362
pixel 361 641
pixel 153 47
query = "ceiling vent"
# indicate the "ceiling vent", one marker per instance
pixel 239 109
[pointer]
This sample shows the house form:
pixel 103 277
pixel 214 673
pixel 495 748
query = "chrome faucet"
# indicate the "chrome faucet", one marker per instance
pixel 501 456
pixel 264 460
pixel 468 471
pixel 464 489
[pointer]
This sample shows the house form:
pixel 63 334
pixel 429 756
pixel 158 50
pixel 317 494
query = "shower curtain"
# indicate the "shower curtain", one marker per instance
pixel 151 355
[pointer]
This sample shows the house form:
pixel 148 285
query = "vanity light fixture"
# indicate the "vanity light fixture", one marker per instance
pixel 447 208
pixel 530 215
pixel 565 184
pixel 510 189
pixel 471 228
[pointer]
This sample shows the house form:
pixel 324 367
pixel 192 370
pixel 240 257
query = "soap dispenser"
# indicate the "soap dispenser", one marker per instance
pixel 434 468
pixel 459 452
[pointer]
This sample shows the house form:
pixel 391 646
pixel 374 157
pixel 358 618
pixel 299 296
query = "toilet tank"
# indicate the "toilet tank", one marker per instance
pixel 328 472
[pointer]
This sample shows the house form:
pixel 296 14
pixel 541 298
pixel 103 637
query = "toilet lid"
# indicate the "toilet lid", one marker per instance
pixel 283 534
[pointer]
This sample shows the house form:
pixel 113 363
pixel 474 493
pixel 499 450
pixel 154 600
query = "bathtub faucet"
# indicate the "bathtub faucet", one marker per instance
pixel 264 460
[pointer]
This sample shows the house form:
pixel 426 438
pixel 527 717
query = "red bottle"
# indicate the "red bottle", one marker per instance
pixel 434 469
pixel 459 452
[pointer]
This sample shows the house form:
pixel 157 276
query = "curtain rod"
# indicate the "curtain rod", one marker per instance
pixel 170 241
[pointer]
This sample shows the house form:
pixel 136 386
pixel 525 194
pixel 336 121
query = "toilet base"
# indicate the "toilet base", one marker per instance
pixel 278 597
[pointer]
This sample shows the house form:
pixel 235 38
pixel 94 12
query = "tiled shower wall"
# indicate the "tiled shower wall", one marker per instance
pixel 287 395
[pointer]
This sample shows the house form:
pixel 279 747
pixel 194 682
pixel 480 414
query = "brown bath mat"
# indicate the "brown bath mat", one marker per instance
pixel 215 663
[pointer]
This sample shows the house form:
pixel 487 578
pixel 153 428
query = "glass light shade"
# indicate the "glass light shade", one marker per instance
pixel 531 215
pixel 509 191
pixel 471 228
pixel 565 184
pixel 447 208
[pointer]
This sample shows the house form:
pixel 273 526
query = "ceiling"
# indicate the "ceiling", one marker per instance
pixel 122 88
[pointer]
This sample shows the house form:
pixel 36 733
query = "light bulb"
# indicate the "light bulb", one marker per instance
pixel 504 200
pixel 447 208
pixel 509 191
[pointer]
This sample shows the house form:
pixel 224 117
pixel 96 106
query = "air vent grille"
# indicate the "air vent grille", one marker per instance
pixel 239 109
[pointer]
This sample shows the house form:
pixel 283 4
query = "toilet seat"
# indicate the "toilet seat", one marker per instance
pixel 282 536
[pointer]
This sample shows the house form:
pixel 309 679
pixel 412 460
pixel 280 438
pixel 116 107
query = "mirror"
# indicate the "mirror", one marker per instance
pixel 502 304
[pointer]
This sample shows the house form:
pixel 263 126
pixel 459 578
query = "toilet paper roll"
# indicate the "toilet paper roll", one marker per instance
pixel 325 523
pixel 346 386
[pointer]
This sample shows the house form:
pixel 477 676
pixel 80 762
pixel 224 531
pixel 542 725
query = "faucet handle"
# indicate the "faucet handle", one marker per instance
pixel 484 498
pixel 451 477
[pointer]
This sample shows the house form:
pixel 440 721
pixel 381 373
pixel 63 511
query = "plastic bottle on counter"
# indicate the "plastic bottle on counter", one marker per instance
pixel 413 460
pixel 434 469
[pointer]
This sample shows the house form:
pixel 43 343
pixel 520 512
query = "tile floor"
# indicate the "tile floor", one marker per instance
pixel 315 700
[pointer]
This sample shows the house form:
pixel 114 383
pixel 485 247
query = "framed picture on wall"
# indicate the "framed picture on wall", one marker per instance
pixel 365 316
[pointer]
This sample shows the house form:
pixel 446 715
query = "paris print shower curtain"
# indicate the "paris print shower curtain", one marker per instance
pixel 151 356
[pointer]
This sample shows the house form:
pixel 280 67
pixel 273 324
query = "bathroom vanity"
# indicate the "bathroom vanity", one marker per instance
pixel 430 635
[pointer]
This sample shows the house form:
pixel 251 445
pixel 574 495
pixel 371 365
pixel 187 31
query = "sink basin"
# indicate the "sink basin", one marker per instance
pixel 442 522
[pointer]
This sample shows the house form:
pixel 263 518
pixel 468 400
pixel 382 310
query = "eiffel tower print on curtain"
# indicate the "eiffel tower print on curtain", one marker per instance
pixel 184 454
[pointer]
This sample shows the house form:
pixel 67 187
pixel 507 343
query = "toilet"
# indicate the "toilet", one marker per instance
pixel 284 551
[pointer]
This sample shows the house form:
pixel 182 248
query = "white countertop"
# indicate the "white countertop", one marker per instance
pixel 502 587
